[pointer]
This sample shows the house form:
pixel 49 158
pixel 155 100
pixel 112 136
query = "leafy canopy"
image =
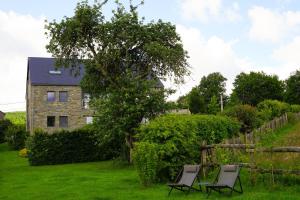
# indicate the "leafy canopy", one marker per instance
pixel 111 48
pixel 255 87
pixel 210 86
pixel 292 94
pixel 125 58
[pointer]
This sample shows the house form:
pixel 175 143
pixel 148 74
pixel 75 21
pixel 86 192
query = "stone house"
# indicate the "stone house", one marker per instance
pixel 54 98
pixel 2 115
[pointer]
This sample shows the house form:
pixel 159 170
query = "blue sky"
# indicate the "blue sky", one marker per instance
pixel 228 36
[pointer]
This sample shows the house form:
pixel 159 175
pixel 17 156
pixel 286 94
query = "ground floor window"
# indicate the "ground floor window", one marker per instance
pixel 50 121
pixel 63 121
pixel 89 120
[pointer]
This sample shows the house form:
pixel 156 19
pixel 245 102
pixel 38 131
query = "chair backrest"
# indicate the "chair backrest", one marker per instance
pixel 228 175
pixel 189 174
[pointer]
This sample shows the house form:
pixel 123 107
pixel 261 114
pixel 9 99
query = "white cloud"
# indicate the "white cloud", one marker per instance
pixel 288 55
pixel 204 10
pixel 21 36
pixel 207 56
pixel 272 26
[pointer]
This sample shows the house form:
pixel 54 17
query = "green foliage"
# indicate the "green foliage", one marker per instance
pixel 16 117
pixel 213 106
pixel 182 102
pixel 196 102
pixel 4 125
pixel 255 87
pixel 228 156
pixel 145 158
pixel 124 59
pixel 210 86
pixel 63 147
pixel 292 93
pixel 273 108
pixel 15 136
pixel 247 116
pixel 295 108
pixel 121 112
pixel 178 138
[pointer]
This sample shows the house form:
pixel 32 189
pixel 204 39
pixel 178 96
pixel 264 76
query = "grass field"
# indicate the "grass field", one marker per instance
pixel 16 117
pixel 108 181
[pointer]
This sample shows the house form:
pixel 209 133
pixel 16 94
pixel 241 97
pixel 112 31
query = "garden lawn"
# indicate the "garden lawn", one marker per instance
pixel 102 181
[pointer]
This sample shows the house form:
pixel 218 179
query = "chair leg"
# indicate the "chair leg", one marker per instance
pixel 170 191
pixel 208 192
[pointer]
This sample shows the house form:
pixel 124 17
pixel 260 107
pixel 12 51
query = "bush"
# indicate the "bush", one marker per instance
pixel 146 161
pixel 23 153
pixel 295 108
pixel 16 136
pixel 4 124
pixel 177 138
pixel 63 147
pixel 273 108
pixel 247 116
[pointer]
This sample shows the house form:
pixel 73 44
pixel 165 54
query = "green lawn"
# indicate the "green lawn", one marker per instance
pixel 103 181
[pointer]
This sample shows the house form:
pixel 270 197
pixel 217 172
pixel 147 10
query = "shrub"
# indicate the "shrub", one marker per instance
pixel 177 138
pixel 273 108
pixel 146 161
pixel 23 153
pixel 63 147
pixel 16 136
pixel 295 108
pixel 247 116
pixel 4 124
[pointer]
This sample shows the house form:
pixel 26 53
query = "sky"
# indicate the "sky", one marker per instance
pixel 227 36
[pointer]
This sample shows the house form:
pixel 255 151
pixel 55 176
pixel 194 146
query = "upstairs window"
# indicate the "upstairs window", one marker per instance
pixel 55 72
pixel 63 121
pixel 50 96
pixel 63 96
pixel 50 121
pixel 86 100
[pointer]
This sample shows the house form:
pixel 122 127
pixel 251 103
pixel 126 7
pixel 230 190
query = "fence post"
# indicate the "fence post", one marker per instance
pixel 203 158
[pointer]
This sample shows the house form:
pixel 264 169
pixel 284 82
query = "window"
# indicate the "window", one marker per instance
pixel 50 121
pixel 55 72
pixel 89 120
pixel 85 100
pixel 63 96
pixel 50 96
pixel 63 121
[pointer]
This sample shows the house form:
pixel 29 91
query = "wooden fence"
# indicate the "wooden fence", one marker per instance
pixel 208 157
pixel 248 145
pixel 269 127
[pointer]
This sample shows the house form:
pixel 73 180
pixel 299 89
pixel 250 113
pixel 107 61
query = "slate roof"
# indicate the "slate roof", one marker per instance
pixel 38 73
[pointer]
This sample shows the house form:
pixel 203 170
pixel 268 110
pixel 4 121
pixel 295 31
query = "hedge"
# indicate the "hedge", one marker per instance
pixel 4 125
pixel 63 147
pixel 15 136
pixel 177 140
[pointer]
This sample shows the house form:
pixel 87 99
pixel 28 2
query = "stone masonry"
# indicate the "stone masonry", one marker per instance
pixel 38 108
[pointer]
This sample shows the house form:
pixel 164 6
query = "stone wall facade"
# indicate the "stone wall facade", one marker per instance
pixel 38 108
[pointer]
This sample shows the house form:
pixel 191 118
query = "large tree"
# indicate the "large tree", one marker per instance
pixel 212 85
pixel 292 94
pixel 255 87
pixel 124 59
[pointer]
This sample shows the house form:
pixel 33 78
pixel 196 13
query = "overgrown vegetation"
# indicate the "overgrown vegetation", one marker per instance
pixel 177 138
